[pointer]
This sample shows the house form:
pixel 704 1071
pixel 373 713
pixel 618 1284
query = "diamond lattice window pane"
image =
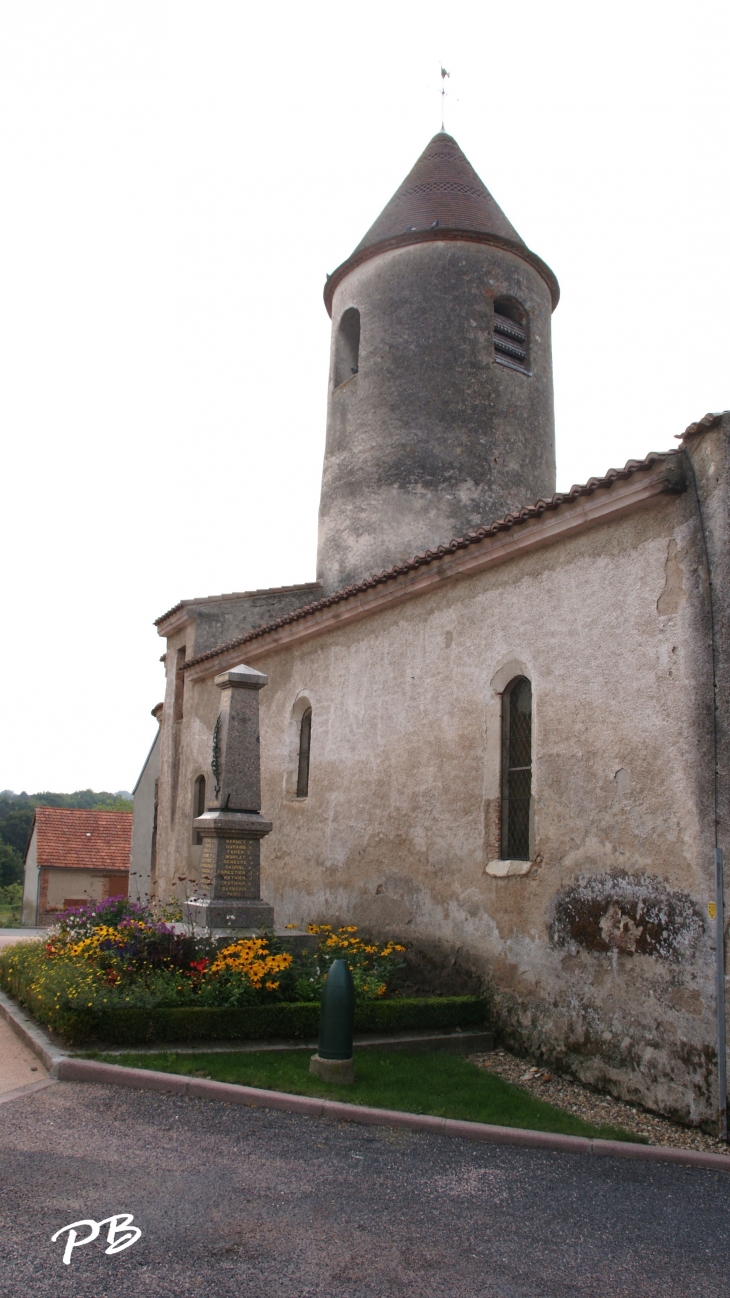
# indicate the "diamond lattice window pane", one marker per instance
pixel 519 771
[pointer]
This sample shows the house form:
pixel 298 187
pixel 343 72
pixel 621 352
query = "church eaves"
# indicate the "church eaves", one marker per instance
pixel 442 198
pixel 672 481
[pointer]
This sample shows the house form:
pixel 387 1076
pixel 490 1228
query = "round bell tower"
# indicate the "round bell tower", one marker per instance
pixel 440 411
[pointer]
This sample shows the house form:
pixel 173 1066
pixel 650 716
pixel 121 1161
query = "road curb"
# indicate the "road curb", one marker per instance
pixel 89 1070
pixel 31 1034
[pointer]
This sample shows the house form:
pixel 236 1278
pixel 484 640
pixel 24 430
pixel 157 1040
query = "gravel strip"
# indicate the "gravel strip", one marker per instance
pixel 595 1107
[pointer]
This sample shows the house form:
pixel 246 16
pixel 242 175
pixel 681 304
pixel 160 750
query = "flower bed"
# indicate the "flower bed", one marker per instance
pixel 111 972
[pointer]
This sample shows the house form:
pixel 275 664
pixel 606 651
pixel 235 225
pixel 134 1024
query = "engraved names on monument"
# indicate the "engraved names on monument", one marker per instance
pixel 240 871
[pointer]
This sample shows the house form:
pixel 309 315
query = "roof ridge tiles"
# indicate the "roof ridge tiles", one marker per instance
pixel 429 556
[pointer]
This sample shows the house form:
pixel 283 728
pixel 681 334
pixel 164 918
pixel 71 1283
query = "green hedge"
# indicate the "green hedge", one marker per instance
pixel 133 1027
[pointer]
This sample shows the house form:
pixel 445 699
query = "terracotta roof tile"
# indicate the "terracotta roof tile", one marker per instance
pixel 175 609
pixel 75 839
pixel 459 543
pixel 710 420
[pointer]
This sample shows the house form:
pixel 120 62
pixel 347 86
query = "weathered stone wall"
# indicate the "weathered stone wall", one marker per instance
pixel 223 617
pixel 601 956
pixel 432 437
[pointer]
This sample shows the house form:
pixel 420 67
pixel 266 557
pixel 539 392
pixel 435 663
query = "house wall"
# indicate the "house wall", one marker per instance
pixel 30 881
pixel 59 887
pixel 600 958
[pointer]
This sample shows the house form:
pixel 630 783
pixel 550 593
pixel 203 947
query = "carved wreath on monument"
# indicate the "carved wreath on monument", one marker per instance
pixel 215 760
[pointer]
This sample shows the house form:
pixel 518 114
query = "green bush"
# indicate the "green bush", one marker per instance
pixel 11 895
pixel 285 1020
pixel 11 904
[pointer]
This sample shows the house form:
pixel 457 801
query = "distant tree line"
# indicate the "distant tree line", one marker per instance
pixel 16 819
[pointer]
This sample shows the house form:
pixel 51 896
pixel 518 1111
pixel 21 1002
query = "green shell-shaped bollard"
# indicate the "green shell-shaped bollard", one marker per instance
pixel 337 1013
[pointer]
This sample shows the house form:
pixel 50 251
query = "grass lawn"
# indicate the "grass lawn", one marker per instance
pixel 434 1082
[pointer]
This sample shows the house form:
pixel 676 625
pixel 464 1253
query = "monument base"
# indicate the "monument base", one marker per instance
pixel 229 914
pixel 340 1071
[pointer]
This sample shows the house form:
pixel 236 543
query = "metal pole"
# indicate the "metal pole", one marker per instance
pixel 720 961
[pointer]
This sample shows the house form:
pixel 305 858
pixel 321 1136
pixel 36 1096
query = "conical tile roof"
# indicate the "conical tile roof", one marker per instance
pixel 444 187
pixel 442 198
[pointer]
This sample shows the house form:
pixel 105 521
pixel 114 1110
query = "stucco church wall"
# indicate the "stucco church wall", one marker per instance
pixel 404 796
pixel 601 955
pixel 198 627
pixel 144 828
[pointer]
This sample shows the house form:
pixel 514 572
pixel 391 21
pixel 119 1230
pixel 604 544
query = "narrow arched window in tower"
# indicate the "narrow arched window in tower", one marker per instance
pixel 347 346
pixel 198 806
pixel 511 343
pixel 516 769
pixel 305 736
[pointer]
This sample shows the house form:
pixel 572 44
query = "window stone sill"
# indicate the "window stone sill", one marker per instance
pixel 507 869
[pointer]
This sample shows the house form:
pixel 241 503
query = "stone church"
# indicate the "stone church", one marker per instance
pixel 496 726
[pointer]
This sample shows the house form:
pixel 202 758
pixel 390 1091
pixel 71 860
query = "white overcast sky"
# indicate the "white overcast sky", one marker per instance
pixel 177 178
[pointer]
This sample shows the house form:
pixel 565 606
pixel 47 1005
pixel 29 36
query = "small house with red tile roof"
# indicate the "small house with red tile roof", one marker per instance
pixel 74 856
pixel 497 727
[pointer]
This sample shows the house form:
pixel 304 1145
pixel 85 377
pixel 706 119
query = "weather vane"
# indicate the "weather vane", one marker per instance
pixel 444 75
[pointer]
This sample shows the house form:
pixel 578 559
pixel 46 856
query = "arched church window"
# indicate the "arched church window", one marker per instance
pixel 305 736
pixel 516 769
pixel 511 335
pixel 198 806
pixel 347 346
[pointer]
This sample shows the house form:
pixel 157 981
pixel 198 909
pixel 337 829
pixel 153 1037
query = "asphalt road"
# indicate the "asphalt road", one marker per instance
pixel 235 1201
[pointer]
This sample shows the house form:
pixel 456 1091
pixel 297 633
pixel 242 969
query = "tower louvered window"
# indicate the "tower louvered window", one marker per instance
pixel 516 769
pixel 510 337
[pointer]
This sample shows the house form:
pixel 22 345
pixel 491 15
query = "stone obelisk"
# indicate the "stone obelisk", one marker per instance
pixel 229 896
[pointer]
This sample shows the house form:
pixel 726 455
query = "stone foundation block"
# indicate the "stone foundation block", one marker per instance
pixel 340 1071
pixel 230 914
